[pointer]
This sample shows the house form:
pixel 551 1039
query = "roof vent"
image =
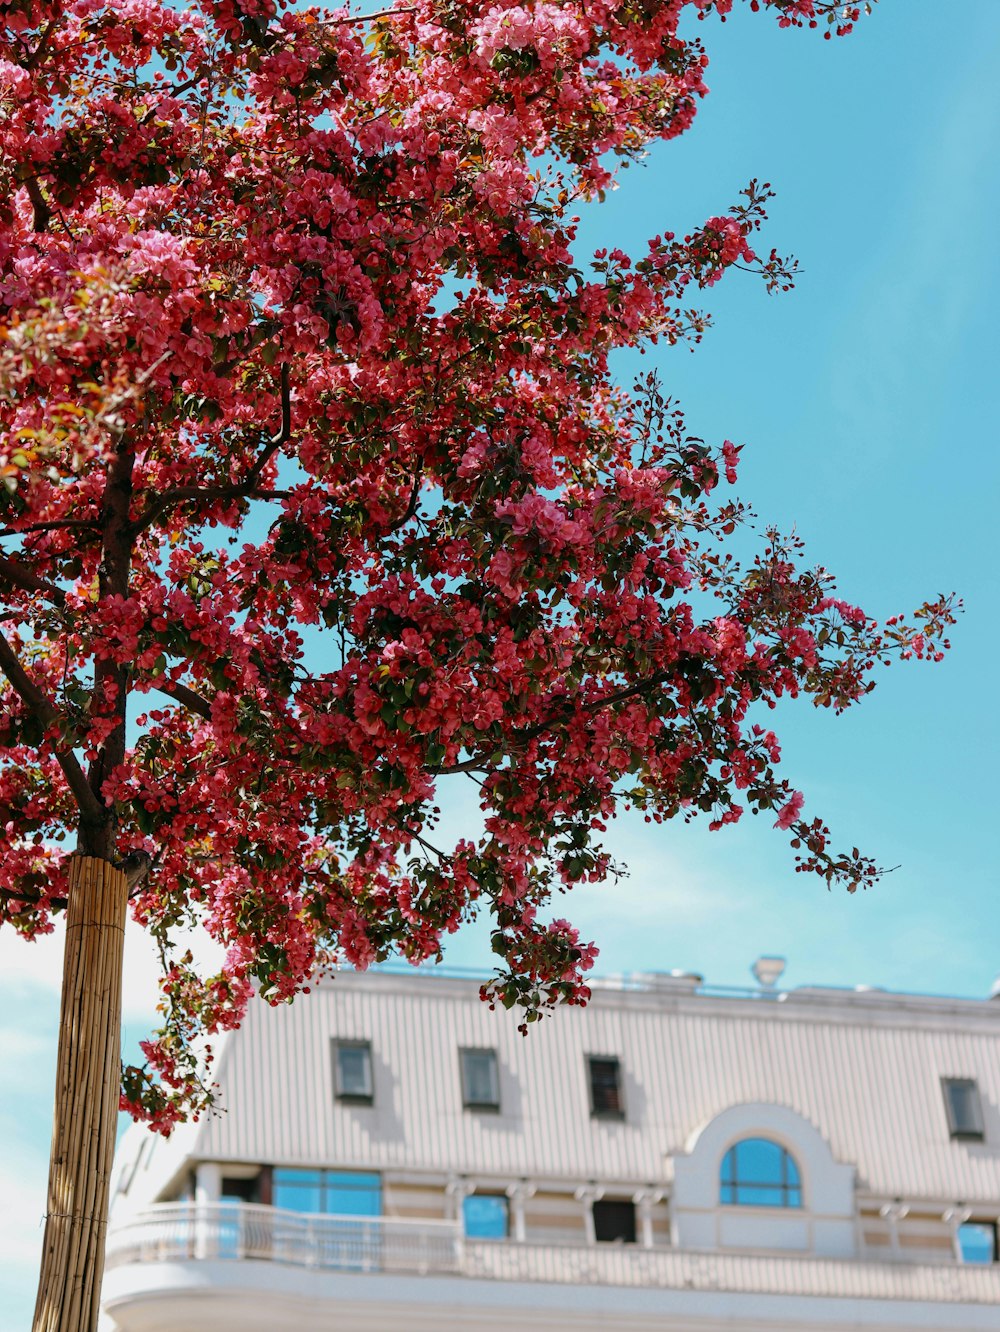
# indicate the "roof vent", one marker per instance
pixel 767 971
pixel 677 979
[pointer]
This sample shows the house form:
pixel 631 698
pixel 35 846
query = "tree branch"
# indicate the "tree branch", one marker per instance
pixel 533 732
pixel 42 708
pixel 40 209
pixel 57 525
pixel 19 576
pixel 245 489
pixel 182 694
pixel 368 18
pixel 411 507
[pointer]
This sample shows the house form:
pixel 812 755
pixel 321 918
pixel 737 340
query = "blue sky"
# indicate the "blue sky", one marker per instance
pixel 868 400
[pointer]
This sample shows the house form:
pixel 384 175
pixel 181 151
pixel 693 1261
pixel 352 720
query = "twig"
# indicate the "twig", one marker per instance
pixel 245 489
pixel 21 577
pixel 182 694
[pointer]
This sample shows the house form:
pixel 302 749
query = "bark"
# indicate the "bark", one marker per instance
pixel 86 1107
pixel 97 836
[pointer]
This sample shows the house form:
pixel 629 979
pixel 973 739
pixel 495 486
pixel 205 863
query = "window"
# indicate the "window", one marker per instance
pixel 977 1242
pixel 352 1071
pixel 759 1173
pixel 480 1080
pixel 241 1190
pixel 965 1112
pixel 605 1088
pixel 614 1221
pixel 485 1216
pixel 330 1192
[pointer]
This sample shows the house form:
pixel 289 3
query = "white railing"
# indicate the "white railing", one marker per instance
pixel 179 1231
pixel 172 1232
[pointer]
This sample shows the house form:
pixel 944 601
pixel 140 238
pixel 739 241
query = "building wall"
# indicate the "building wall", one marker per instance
pixel 865 1070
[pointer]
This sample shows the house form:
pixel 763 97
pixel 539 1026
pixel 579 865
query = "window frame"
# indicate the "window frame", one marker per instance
pixel 782 1190
pixel 489 1107
pixel 598 1112
pixel 956 1131
pixel 348 1097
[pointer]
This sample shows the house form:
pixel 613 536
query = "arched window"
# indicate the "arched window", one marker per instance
pixel 760 1173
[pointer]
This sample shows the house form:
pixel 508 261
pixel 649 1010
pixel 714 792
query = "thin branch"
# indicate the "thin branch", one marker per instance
pixel 57 525
pixel 43 43
pixel 469 765
pixel 182 694
pixel 533 732
pixel 191 494
pixel 411 506
pixel 368 18
pixel 245 489
pixel 20 576
pixel 45 712
pixel 284 431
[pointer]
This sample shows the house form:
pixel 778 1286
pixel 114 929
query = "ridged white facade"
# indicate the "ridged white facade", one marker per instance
pixel 849 1084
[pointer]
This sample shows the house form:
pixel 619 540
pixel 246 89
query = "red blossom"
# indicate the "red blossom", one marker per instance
pixel 316 489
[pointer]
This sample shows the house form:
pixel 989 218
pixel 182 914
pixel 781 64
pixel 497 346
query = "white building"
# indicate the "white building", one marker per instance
pixel 394 1155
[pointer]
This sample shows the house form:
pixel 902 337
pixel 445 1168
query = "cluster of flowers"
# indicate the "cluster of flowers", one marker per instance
pixel 296 340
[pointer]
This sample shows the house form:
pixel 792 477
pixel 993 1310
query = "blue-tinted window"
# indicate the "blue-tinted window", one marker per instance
pixel 759 1173
pixel 333 1192
pixel 485 1216
pixel 977 1241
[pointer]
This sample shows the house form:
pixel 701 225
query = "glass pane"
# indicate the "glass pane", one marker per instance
pixel 978 1242
pixel 614 1221
pixel 283 1176
pixel 354 1070
pixel 604 1086
pixel 759 1161
pixel 298 1190
pixel 485 1216
pixel 759 1173
pixel 728 1169
pixel 480 1077
pixel 963 1100
pixel 349 1194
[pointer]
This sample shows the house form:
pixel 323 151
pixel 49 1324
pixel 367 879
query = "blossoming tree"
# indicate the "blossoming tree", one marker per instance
pixel 317 489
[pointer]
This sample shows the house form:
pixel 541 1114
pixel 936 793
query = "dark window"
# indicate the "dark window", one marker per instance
pixel 965 1112
pixel 331 1192
pixel 480 1079
pixel 614 1221
pixel 759 1173
pixel 977 1242
pixel 485 1216
pixel 605 1087
pixel 352 1071
pixel 242 1190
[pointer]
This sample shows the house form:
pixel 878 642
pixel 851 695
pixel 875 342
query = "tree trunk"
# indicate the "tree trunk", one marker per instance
pixel 87 1090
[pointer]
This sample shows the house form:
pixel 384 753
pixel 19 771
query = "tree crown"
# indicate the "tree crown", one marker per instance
pixel 311 450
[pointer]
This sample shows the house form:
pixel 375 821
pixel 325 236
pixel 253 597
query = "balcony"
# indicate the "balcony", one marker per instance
pixel 229 1233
